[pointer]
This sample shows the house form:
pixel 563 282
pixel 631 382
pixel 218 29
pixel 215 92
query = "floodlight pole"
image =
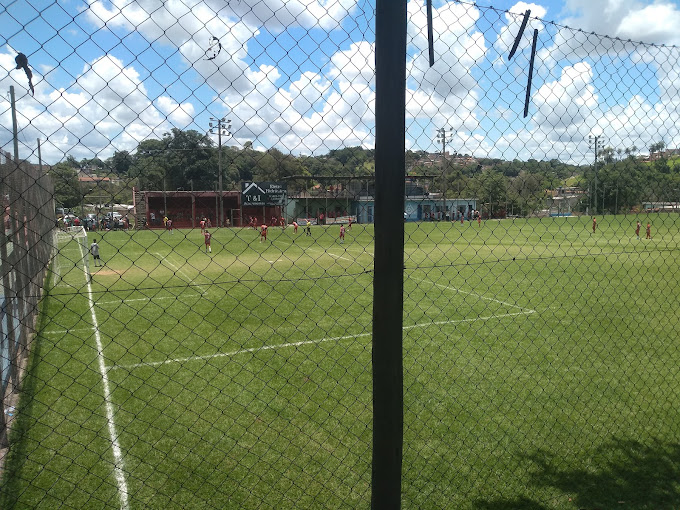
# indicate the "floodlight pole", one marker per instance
pixel 595 143
pixel 222 127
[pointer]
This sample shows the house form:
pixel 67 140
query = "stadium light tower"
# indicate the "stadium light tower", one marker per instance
pixel 596 142
pixel 220 127
pixel 444 138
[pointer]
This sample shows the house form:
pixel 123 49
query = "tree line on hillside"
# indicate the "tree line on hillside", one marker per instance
pixel 189 160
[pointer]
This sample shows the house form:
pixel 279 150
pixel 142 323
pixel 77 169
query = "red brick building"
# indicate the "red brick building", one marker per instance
pixel 188 208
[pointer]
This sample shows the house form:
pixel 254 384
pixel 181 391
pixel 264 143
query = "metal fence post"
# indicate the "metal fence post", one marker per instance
pixel 388 286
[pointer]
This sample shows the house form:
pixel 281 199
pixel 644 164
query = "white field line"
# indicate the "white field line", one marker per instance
pixel 473 319
pixel 474 294
pixel 182 273
pixel 305 342
pixel 339 257
pixel 316 249
pixel 118 463
pixel 359 252
pixel 66 331
pixel 153 298
pixel 289 243
pixel 235 353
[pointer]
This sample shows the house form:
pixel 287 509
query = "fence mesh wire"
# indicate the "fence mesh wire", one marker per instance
pixel 212 347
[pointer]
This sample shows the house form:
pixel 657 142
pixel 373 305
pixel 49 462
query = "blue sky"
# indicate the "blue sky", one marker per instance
pixel 298 75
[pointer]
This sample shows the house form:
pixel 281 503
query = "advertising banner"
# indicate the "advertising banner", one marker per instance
pixel 263 193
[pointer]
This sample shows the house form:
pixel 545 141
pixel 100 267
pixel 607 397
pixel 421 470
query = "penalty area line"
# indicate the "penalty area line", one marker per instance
pixel 473 319
pixel 183 274
pixel 236 353
pixel 442 286
pixel 305 342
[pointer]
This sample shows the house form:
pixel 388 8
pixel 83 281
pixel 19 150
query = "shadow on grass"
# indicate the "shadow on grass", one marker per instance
pixel 10 482
pixel 621 473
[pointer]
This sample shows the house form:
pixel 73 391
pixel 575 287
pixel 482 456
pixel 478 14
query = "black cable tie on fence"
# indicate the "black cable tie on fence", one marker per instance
pixel 22 63
pixel 519 34
pixel 531 73
pixel 430 35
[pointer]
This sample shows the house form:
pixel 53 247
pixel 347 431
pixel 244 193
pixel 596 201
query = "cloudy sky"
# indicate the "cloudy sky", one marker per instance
pixel 299 75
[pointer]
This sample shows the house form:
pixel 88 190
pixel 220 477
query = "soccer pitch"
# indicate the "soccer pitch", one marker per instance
pixel 540 370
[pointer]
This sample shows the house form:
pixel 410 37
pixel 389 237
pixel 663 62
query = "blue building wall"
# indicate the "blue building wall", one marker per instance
pixel 420 209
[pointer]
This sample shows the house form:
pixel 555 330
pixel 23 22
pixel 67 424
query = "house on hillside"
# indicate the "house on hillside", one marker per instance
pixel 562 201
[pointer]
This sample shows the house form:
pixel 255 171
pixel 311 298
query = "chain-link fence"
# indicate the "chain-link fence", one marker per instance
pixel 207 329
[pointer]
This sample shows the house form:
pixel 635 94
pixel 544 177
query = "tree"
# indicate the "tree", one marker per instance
pixel 67 191
pixel 491 189
pixel 607 155
pixel 174 161
pixel 120 162
pixel 189 157
pixel 526 193
pixel 72 162
pixel 656 148
pixel 148 164
pixel 94 163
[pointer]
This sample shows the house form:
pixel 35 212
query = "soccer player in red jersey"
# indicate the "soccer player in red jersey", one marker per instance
pixel 207 236
pixel 263 232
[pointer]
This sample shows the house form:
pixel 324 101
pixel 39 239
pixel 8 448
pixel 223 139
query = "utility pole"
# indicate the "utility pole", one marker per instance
pixel 595 143
pixel 221 127
pixel 40 158
pixel 444 139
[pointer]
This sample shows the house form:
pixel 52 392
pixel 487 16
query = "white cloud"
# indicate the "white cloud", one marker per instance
pixel 354 65
pixel 656 23
pixel 567 101
pixel 625 22
pixel 627 19
pixel 181 115
pixel 446 94
pixel 106 108
pixel 458 47
pixel 296 97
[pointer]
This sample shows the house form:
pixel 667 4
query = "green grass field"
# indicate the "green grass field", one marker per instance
pixel 540 370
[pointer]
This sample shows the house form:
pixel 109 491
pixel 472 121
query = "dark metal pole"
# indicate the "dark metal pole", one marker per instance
pixel 40 159
pixel 15 135
pixel 595 166
pixel 388 283
pixel 219 166
pixel 443 138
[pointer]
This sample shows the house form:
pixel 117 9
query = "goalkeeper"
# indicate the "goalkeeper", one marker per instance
pixel 94 250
